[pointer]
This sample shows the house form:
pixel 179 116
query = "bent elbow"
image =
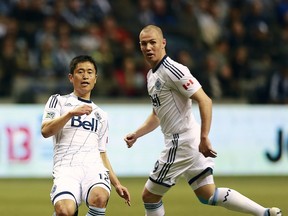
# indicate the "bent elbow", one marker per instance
pixel 45 133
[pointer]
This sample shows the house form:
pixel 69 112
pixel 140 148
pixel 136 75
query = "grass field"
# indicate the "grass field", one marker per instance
pixel 30 197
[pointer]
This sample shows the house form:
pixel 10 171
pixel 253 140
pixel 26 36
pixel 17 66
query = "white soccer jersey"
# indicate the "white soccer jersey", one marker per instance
pixel 170 85
pixel 83 137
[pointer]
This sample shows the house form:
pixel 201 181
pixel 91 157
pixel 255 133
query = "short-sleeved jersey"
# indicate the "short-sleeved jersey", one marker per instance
pixel 83 137
pixel 170 86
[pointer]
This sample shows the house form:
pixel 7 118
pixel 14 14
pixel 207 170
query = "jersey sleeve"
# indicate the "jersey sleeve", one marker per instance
pixel 103 134
pixel 52 108
pixel 186 83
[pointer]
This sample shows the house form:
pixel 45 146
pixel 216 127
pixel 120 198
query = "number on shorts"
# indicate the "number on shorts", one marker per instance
pixel 104 176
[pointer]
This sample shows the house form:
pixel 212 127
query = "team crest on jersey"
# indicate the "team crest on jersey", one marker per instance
pixel 50 115
pixel 98 116
pixel 158 84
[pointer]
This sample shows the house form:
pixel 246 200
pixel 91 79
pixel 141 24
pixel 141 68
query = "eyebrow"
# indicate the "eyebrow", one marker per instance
pixel 147 41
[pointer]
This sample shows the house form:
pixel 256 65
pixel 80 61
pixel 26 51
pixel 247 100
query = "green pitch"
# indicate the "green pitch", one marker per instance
pixel 30 197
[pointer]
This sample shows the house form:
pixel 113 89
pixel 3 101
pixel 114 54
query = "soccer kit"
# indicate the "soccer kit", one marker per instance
pixel 77 164
pixel 170 86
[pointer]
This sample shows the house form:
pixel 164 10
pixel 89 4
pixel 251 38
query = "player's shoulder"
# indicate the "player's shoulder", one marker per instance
pixel 55 99
pixel 171 62
pixel 99 110
pixel 59 96
pixel 174 69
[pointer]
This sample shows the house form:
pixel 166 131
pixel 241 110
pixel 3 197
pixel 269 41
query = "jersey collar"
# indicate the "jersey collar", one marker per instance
pixel 156 68
pixel 84 100
pixel 81 99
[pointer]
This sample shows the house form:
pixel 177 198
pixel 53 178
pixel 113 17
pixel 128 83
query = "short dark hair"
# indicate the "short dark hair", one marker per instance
pixel 79 59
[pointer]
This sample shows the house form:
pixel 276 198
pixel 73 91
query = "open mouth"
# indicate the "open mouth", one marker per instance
pixel 85 83
pixel 149 55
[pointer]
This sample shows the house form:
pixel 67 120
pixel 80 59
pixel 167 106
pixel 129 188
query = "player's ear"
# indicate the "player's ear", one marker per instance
pixel 164 42
pixel 70 77
pixel 95 79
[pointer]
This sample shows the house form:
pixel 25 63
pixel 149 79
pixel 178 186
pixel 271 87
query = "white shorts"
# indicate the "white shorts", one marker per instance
pixel 75 182
pixel 181 157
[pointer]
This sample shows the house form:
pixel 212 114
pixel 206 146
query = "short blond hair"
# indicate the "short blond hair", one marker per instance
pixel 154 28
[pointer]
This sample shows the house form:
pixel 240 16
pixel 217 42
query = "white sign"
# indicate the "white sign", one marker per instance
pixel 249 139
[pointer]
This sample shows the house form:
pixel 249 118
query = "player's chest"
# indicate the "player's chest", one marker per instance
pixel 157 84
pixel 159 90
pixel 89 122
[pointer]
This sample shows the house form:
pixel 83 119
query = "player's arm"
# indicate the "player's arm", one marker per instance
pixel 151 123
pixel 121 190
pixel 53 126
pixel 205 109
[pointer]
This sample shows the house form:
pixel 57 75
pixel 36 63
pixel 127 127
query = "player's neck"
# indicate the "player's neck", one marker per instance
pixel 82 96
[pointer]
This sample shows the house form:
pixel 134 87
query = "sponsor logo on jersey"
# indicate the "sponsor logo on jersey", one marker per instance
pixel 155 100
pixel 50 115
pixel 68 104
pixel 188 84
pixel 91 125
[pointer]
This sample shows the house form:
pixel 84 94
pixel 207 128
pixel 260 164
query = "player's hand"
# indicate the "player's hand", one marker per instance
pixel 82 110
pixel 124 193
pixel 130 139
pixel 205 148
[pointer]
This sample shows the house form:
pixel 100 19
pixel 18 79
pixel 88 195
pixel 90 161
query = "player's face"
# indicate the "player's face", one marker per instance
pixel 152 45
pixel 83 79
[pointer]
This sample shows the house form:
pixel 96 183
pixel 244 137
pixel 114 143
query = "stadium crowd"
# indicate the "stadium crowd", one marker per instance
pixel 237 49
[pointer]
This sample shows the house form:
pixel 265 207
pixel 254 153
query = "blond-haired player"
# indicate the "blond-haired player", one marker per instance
pixel 188 150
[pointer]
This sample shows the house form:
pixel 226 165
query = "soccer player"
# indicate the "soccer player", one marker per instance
pixel 188 150
pixel 81 169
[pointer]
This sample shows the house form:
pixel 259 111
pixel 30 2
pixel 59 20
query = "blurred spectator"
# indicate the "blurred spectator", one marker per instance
pixel 163 16
pixel 209 78
pixel 144 12
pixel 259 24
pixel 25 59
pixel 278 86
pixel 240 68
pixel 8 68
pixel 63 55
pixel 185 58
pixel 228 83
pixel 130 80
pixel 237 36
pixel 105 58
pixel 96 10
pixel 90 39
pixel 5 7
pixel 221 51
pixel 282 44
pixel 29 24
pixel 186 17
pixel 282 12
pixel 125 18
pixel 46 58
pixel 75 15
pixel 209 26
pixel 48 31
pixel 58 7
pixel 116 35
